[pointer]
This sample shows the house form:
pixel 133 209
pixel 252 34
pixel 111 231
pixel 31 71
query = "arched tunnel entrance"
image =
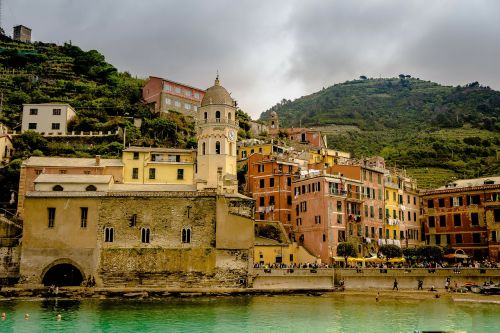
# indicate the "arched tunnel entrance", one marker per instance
pixel 63 275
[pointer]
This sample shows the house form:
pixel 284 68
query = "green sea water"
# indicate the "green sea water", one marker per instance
pixel 327 313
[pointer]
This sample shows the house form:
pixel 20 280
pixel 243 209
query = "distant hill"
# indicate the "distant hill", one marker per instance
pixel 415 124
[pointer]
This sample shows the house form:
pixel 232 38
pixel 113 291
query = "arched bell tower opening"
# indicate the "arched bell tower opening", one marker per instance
pixel 62 273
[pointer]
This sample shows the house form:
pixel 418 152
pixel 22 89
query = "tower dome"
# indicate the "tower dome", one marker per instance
pixel 273 114
pixel 217 94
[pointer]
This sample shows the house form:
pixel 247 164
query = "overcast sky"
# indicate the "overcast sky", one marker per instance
pixel 266 50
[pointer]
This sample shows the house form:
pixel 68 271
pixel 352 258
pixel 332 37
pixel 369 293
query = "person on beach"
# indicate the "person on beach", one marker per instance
pixel 447 284
pixel 395 285
pixel 420 284
pixel 378 297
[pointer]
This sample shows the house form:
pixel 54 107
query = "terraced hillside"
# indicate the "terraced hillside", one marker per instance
pixel 418 125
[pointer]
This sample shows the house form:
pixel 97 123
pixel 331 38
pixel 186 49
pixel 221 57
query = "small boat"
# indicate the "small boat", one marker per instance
pixel 475 289
pixel 491 289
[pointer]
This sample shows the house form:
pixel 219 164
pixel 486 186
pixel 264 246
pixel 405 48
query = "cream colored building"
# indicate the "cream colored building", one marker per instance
pixel 6 147
pixel 217 133
pixel 143 165
pixel 47 118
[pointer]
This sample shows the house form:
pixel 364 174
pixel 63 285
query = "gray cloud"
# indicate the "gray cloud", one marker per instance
pixel 269 50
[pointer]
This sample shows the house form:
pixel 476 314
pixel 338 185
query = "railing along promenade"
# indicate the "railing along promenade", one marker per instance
pixel 444 272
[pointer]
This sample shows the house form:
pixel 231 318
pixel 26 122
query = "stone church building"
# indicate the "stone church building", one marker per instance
pixel 199 234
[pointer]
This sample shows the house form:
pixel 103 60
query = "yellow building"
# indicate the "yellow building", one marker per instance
pixel 244 151
pixel 392 209
pixel 269 251
pixel 144 165
pixel 327 156
pixel 6 147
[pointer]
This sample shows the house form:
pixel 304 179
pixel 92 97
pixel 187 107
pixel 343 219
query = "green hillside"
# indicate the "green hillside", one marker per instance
pixel 415 124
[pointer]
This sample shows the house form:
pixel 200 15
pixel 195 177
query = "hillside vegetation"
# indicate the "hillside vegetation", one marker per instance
pixel 415 124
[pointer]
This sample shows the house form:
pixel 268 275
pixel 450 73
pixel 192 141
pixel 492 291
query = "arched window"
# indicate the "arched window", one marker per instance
pixel 203 151
pixel 145 235
pixel 109 234
pixel 229 116
pixel 186 235
pixel 57 188
pixel 205 115
pixel 217 116
pixel 230 149
pixel 91 188
pixel 217 147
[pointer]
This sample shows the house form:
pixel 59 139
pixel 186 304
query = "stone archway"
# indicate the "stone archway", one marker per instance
pixel 62 272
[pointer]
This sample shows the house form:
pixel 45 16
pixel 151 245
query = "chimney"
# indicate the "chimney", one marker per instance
pixel 97 159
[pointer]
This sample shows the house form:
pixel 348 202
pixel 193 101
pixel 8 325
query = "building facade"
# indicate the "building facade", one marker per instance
pixel 166 95
pixel 22 34
pixel 6 146
pixel 464 215
pixel 47 118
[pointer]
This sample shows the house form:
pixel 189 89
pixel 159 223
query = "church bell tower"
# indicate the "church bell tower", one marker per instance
pixel 217 128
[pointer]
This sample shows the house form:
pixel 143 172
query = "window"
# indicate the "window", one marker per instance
pixel 177 104
pixel 178 90
pixel 496 214
pixel 56 126
pixel 84 212
pixel 409 216
pixel 152 173
pixel 474 199
pixel 324 238
pixel 476 238
pixel 145 235
pixel 493 236
pixel 186 235
pixel 455 201
pixel 261 183
pixel 289 200
pixel 38 171
pixel 318 187
pixel 91 188
pixel 57 188
pixel 187 93
pixel 168 101
pixel 261 201
pixel 408 199
pixel 271 200
pixel 109 234
pixel 51 212
pixel 135 173
pixel 339 206
pixel 136 155
pixel 394 234
pixel 339 219
pixel 317 219
pixel 372 211
pixel 271 182
pixel 180 174
pixel 432 223
pixel 33 112
pixel 32 126
pixel 414 200
pixel 196 95
pixel 474 218
pixel 187 106
pixel 430 203
pixel 366 210
pixel 415 216
pixel 217 147
pixel 442 221
pixel 62 172
pixel 217 116
pixel 457 221
pixel 289 181
pixel 386 195
pixel 379 179
pixel 458 239
pixel 380 213
pixel 56 112
pixel 393 196
pixel 167 87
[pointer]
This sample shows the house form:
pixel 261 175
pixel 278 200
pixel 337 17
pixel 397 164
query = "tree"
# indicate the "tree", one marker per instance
pixel 346 250
pixel 391 251
pixel 430 252
pixel 362 77
pixel 28 142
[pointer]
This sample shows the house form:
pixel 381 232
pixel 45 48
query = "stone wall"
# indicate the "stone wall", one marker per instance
pixel 9 265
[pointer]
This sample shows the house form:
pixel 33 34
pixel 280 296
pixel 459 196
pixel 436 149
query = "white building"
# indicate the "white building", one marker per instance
pixel 47 118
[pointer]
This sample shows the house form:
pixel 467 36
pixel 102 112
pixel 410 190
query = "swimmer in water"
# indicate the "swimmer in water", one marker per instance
pixel 4 316
pixel 59 317
pixel 26 316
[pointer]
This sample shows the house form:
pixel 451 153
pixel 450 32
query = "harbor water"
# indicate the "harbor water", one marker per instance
pixel 326 313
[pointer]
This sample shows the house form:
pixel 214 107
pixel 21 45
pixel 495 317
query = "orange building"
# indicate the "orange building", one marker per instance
pixel 270 184
pixel 165 95
pixel 465 215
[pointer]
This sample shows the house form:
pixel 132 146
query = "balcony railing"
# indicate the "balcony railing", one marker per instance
pixel 218 121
